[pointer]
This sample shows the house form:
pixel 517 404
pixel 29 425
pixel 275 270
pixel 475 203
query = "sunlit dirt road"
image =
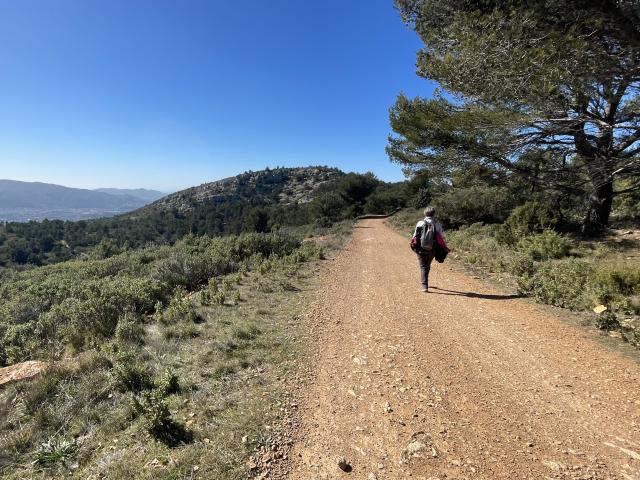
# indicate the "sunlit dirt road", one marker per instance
pixel 462 382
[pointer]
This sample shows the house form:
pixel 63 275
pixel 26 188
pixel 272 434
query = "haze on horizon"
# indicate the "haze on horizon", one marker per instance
pixel 166 95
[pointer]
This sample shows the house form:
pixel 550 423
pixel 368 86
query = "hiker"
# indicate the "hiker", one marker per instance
pixel 428 243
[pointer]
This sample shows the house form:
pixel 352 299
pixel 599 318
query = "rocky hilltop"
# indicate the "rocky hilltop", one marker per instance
pixel 283 186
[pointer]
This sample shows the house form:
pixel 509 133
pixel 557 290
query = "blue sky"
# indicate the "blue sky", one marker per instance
pixel 168 94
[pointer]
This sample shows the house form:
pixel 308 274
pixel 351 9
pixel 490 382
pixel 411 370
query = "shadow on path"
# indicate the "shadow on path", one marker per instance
pixel 444 291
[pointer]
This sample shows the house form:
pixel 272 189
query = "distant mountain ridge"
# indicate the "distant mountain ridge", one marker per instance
pixel 21 201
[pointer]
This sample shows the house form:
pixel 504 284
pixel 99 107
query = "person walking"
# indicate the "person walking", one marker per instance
pixel 428 237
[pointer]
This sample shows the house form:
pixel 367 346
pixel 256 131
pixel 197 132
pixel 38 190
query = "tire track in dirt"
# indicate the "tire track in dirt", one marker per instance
pixel 462 382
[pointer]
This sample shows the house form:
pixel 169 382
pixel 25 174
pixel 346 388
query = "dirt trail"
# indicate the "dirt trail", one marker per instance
pixel 462 382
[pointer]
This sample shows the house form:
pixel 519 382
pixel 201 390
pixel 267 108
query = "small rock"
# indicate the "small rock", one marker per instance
pixel 555 466
pixel 600 309
pixel 344 465
pixel 21 371
pixel 415 449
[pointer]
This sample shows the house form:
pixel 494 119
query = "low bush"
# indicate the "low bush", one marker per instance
pixel 544 246
pixel 131 375
pixel 617 286
pixel 528 219
pixel 180 309
pixel 521 265
pixel 183 270
pixel 130 329
pixel 560 283
pixel 152 405
pixel 169 382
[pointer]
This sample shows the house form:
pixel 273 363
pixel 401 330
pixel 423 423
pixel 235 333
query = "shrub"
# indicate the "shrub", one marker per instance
pixel 153 407
pixel 237 298
pixel 130 375
pixel 183 270
pixel 607 321
pixel 205 297
pixel 168 383
pixel 219 298
pixel 560 283
pixel 527 219
pixel 180 308
pixel 129 329
pixel 544 246
pixel 617 286
pixel 521 265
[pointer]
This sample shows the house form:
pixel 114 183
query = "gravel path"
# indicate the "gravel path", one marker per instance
pixel 462 382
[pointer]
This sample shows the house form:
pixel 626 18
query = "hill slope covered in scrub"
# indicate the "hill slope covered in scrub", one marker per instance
pixel 250 202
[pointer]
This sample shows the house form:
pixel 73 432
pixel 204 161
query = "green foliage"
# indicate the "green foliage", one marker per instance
pixel 252 202
pixel 130 375
pixel 544 246
pixel 617 286
pixel 152 405
pixel 464 206
pixel 105 249
pixel 169 382
pixel 79 304
pixel 55 450
pixel 184 270
pixel 219 298
pixel 515 70
pixel 562 283
pixel 627 206
pixel 129 329
pixel 107 401
pixel 521 266
pixel 527 219
pixel 180 309
pixel 607 321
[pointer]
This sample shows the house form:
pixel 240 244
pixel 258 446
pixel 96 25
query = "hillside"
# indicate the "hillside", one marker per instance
pixel 250 202
pixel 22 201
pixel 284 186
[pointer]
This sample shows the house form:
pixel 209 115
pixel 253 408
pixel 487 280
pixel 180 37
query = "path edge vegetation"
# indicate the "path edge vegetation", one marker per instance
pixel 191 387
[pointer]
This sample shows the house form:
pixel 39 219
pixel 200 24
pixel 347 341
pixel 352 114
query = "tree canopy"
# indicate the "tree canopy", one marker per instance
pixel 548 90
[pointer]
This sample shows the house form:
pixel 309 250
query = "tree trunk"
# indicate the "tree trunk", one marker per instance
pixel 597 217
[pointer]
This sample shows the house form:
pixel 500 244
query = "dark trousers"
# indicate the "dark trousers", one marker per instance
pixel 425 259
